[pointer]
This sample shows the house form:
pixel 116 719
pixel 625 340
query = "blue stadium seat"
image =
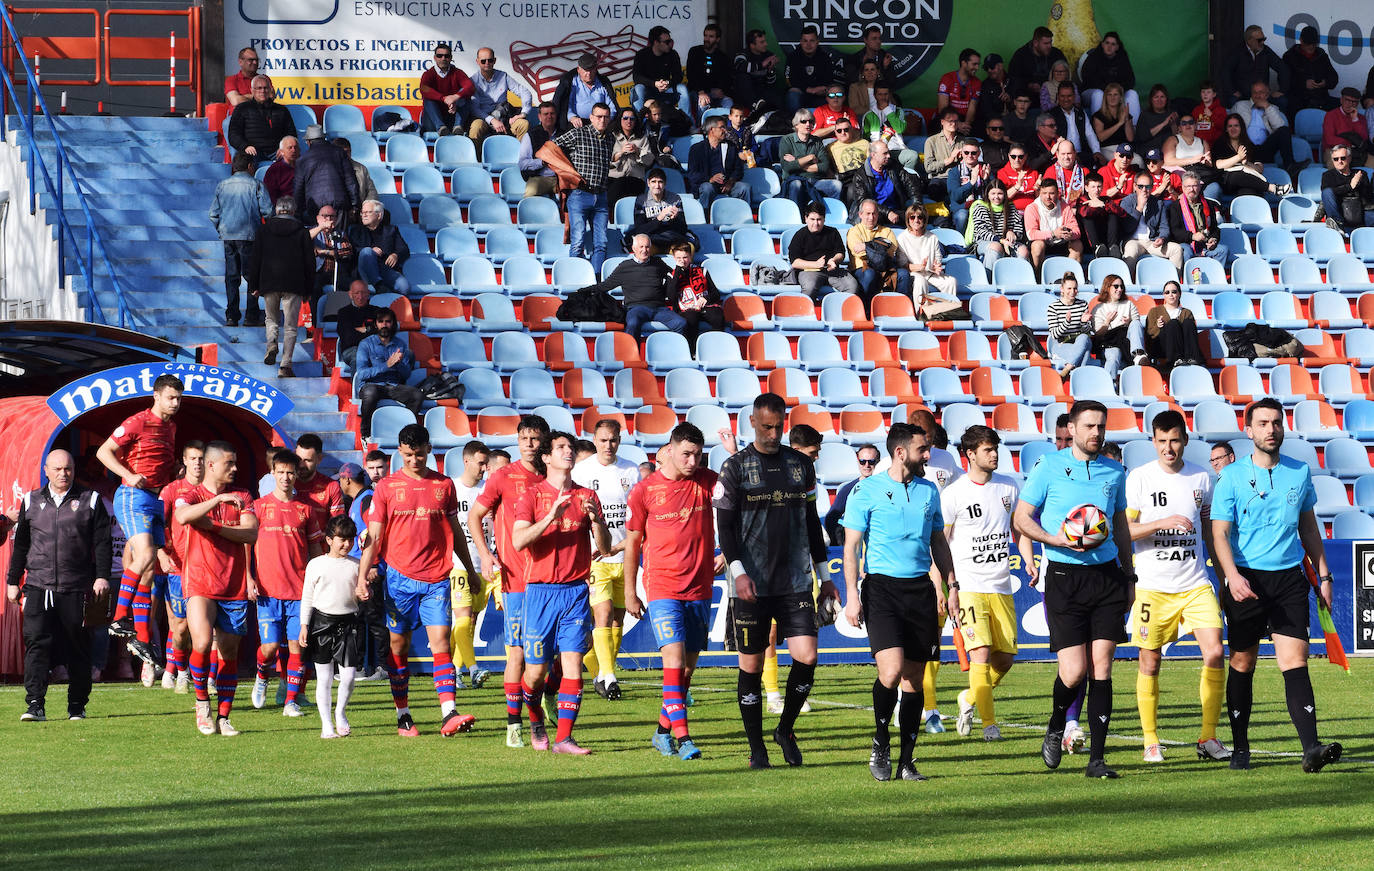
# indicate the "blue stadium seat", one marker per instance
pixel 532 387
pixel 623 215
pixel 951 240
pixel 763 184
pixel 793 384
pixel 301 116
pixel 386 424
pixel 839 386
pixel 1100 267
pixel 1189 385
pixel 772 347
pixel 726 273
pixel 1347 274
pixel 1251 213
pixel 1304 452
pixel 438 211
pixel 968 273
pixel 940 387
pixel 1093 382
pixel 1341 384
pixel 396 206
pixel 1280 308
pixel 736 389
pixel 426 274
pixel 482 387
pixel 777 215
pixel 1316 421
pixel 729 214
pixel 1016 425
pixel 1300 274
pixel 342 118
pixel 1353 525
pixel 749 244
pixel 1136 454
pixel 450 243
pixel 500 151
pixel 463 350
pixel 1033 309
pixel 585 385
pixel 536 213
pixel 487 212
pixel 419 182
pixel 710 419
pixel 1273 244
pixel 1346 458
pixel 1321 243
pixel 523 274
pixel 1232 309
pixel 837 464
pixel 1359 346
pixel 511 185
pixel 1204 276
pixel 379 129
pixel 1249 384
pixel 1362 243
pixel 838 311
pixel 504 242
pixel 470 183
pixel 1194 303
pixel 1298 213
pixel 1308 125
pixel 818 351
pixel 1252 273
pixel 404 150
pixel 718 351
pixel 1215 420
pixel 473 275
pixel 1053 269
pixel 1031 452
pixel 549 247
pixel 511 351
pixel 665 351
pixel 686 387
pixel 451 152
pixel 959 417
pixel 363 148
pixel 1310 181
pixel 1012 275
pixel 1364 493
pixel 1152 272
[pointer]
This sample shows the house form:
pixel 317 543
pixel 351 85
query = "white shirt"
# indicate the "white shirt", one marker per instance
pixel 329 587
pixel 467 497
pixel 1170 561
pixel 612 485
pixel 978 525
pixel 943 469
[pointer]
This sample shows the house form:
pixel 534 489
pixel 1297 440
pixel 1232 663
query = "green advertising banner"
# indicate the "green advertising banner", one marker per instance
pixel 1166 41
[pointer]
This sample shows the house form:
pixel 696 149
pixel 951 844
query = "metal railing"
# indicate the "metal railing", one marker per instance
pixel 38 167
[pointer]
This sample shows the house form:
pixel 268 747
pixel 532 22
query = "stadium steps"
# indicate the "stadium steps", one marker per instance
pixel 148 183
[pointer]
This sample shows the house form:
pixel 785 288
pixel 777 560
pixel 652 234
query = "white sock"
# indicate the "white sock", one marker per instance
pixel 347 675
pixel 324 685
pixel 447 706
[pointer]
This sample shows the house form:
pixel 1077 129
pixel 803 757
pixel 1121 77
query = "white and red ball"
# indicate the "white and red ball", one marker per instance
pixel 1085 526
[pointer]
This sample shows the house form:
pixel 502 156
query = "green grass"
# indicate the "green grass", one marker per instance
pixel 137 787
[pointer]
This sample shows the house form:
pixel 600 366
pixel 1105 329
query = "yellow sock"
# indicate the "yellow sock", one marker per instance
pixel 980 687
pixel 601 644
pixel 464 654
pixel 928 684
pixel 1147 700
pixel 589 660
pixel 617 633
pixel 770 673
pixel 1210 689
pixel 996 675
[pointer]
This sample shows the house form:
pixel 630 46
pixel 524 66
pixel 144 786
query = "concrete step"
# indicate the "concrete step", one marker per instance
pixel 110 136
pixel 148 155
pixel 116 122
pixel 250 338
pixel 198 232
pixel 122 218
pixel 314 421
pixel 154 274
pixel 179 169
pixel 337 442
pixel 132 202
pixel 118 186
pixel 166 251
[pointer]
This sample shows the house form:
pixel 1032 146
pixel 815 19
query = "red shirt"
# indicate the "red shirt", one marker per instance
pixel 1210 125
pixel 1110 174
pixel 1031 178
pixel 324 495
pixel 826 117
pixel 148 443
pixel 417 540
pixel 960 93
pixel 504 489
pixel 285 531
pixel 435 87
pixel 240 83
pixel 1175 183
pixel 1337 122
pixel 177 533
pixel 679 535
pixel 215 567
pixel 563 554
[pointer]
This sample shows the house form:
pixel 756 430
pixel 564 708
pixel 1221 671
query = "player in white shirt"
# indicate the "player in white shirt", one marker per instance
pixel 977 509
pixel 1168 505
pixel 470 595
pixel 611 478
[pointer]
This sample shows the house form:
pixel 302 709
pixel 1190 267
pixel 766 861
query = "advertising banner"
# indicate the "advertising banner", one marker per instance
pixel 1345 30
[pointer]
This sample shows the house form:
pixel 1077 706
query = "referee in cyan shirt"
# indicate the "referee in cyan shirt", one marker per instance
pixel 1262 523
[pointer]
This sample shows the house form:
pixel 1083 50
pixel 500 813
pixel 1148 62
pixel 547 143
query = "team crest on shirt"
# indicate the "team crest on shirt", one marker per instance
pixel 1143 632
pixel 1108 489
pixel 796 474
pixel 1292 497
pixel 940 476
pixel 1006 503
pixel 438 492
pixel 1197 498
pixel 969 633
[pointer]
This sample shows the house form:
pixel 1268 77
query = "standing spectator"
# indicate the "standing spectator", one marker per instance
pixel 324 177
pixel 381 249
pixel 848 152
pixel 1051 226
pixel 1030 64
pixel 807 174
pixel 999 229
pixel 872 51
pixel 816 254
pixel 1311 75
pixel 1112 122
pixel 1021 181
pixel 658 215
pixel 693 296
pixel 1251 64
pixel 642 281
pixel 631 158
pixel 1346 125
pixel 238 88
pixel 588 146
pixel 756 74
pixel 63 558
pixel 828 115
pixel 1099 219
pixel 657 73
pixel 385 364
pixel 1193 222
pixel 1209 113
pixel 280 178
pixel 447 94
pixel 1117 329
pixel 966 181
pixel 239 206
pixel 1070 328
pixel 1074 123
pixel 540 181
pixel 709 72
pixel 580 90
pixel 491 108
pixel 714 168
pixel 282 272
pixel 919 255
pixel 1172 332
pixel 367 189
pixel 1146 226
pixel 810 69
pixel 356 321
pixel 892 189
pixel 1158 121
pixel 1019 120
pixel 995 97
pixel 1346 195
pixel 960 89
pixel 258 125
pixel 1103 65
pixel 872 275
pixel 1268 129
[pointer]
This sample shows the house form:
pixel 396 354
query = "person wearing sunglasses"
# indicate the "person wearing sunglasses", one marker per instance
pixel 1145 226
pixel 1347 196
pixel 807 174
pixel 995 145
pixel 809 71
pixel 869 458
pixel 491 108
pixel 828 115
pixel 447 93
pixel 657 73
pixel 1252 62
pixel 1117 329
pixel 1171 332
pixel 966 181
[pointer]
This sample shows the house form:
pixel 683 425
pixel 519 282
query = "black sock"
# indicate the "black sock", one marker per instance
pixel 1064 697
pixel 912 703
pixel 750 691
pixel 1099 716
pixel 1302 705
pixel 662 729
pixel 1240 696
pixel 884 702
pixel 799 678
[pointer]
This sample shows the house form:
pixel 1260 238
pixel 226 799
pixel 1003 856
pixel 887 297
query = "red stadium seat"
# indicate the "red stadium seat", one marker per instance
pixel 537 309
pixel 814 415
pixel 745 311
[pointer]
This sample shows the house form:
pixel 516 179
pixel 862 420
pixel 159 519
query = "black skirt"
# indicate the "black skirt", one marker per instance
pixel 336 638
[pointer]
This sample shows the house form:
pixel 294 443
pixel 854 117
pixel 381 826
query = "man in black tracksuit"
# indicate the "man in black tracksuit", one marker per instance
pixel 62 541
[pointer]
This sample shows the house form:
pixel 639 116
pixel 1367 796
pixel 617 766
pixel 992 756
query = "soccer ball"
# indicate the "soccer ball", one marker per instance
pixel 1085 526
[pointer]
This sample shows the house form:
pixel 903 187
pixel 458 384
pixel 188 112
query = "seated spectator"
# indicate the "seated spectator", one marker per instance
pixel 447 94
pixel 1209 114
pixel 1345 125
pixel 282 273
pixel 886 121
pixel 335 259
pixel 238 88
pixel 807 173
pixel 709 72
pixel 381 250
pixel 849 150
pixel 1118 333
pixel 258 126
pixel 832 111
pixel 657 73
pixel 385 364
pixel 1060 75
pixel 1112 122
pixel 868 457
pixel 631 158
pixel 1347 198
pixel 995 97
pixel 1075 125
pixel 659 133
pixel 893 189
pixel 492 111
pixel 1118 174
pixel 920 256
pixel 1145 228
pixel 540 181
pixel 714 168
pixel 861 91
pixel 996 146
pixel 1187 151
pixel 1040 148
pixel 872 51
pixel 1030 64
pixel 756 85
pixel 1171 332
pixel 1051 226
pixel 998 229
pixel 817 254
pixel 367 189
pixel 658 215
pixel 1019 120
pixel 965 181
pixel 280 178
pixel 810 69
pixel 1067 171
pixel 1104 65
pixel 693 296
pixel 1163 183
pixel 1268 129
pixel 1070 328
pixel 324 176
pixel 579 90
pixel 1251 64
pixel 960 89
pixel 1311 75
pixel 1233 158
pixel 1193 222
pixel 1158 121
pixel 356 321
pixel 741 135
pixel 642 279
pixel 1099 219
pixel 239 205
pixel 871 274
pixel 1020 180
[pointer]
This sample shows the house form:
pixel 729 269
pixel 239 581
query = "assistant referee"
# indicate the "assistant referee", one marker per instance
pixel 1262 524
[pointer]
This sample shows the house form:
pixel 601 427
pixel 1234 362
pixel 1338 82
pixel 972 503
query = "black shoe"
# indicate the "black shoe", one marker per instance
pixel 122 628
pixel 270 359
pixel 231 322
pixel 759 760
pixel 1240 760
pixel 34 714
pixel 1318 756
pixel 600 688
pixel 613 690
pixel 76 713
pixel 1098 768
pixel 907 771
pixel 143 651
pixel 787 742
pixel 1052 751
pixel 1100 251
pixel 880 762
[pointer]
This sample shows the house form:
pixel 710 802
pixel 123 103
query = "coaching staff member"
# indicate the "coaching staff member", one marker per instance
pixel 1087 592
pixel 1262 523
pixel 896 517
pixel 62 551
pixel 771 537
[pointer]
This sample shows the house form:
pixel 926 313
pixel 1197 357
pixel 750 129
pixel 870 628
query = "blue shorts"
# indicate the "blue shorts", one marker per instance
pixel 513 615
pixel 139 512
pixel 279 620
pixel 168 588
pixel 411 604
pixel 231 616
pixel 678 622
pixel 558 617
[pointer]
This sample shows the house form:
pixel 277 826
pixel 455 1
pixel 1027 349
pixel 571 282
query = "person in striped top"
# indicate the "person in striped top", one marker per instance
pixel 1070 327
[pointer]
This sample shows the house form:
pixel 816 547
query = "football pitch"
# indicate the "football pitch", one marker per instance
pixel 136 786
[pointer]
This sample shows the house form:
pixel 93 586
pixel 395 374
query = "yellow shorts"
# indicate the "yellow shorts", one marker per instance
pixel 472 595
pixel 607 584
pixel 988 620
pixel 1157 616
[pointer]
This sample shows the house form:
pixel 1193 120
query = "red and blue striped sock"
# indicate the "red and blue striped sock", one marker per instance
pixel 674 713
pixel 200 673
pixel 569 703
pixel 169 658
pixel 294 679
pixel 514 698
pixel 264 667
pixel 444 675
pixel 214 661
pixel 128 586
pixel 531 699
pixel 399 671
pixel 176 657
pixel 142 607
pixel 226 684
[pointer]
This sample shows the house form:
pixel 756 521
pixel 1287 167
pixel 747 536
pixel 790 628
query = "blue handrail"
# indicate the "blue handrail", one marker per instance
pixel 35 158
